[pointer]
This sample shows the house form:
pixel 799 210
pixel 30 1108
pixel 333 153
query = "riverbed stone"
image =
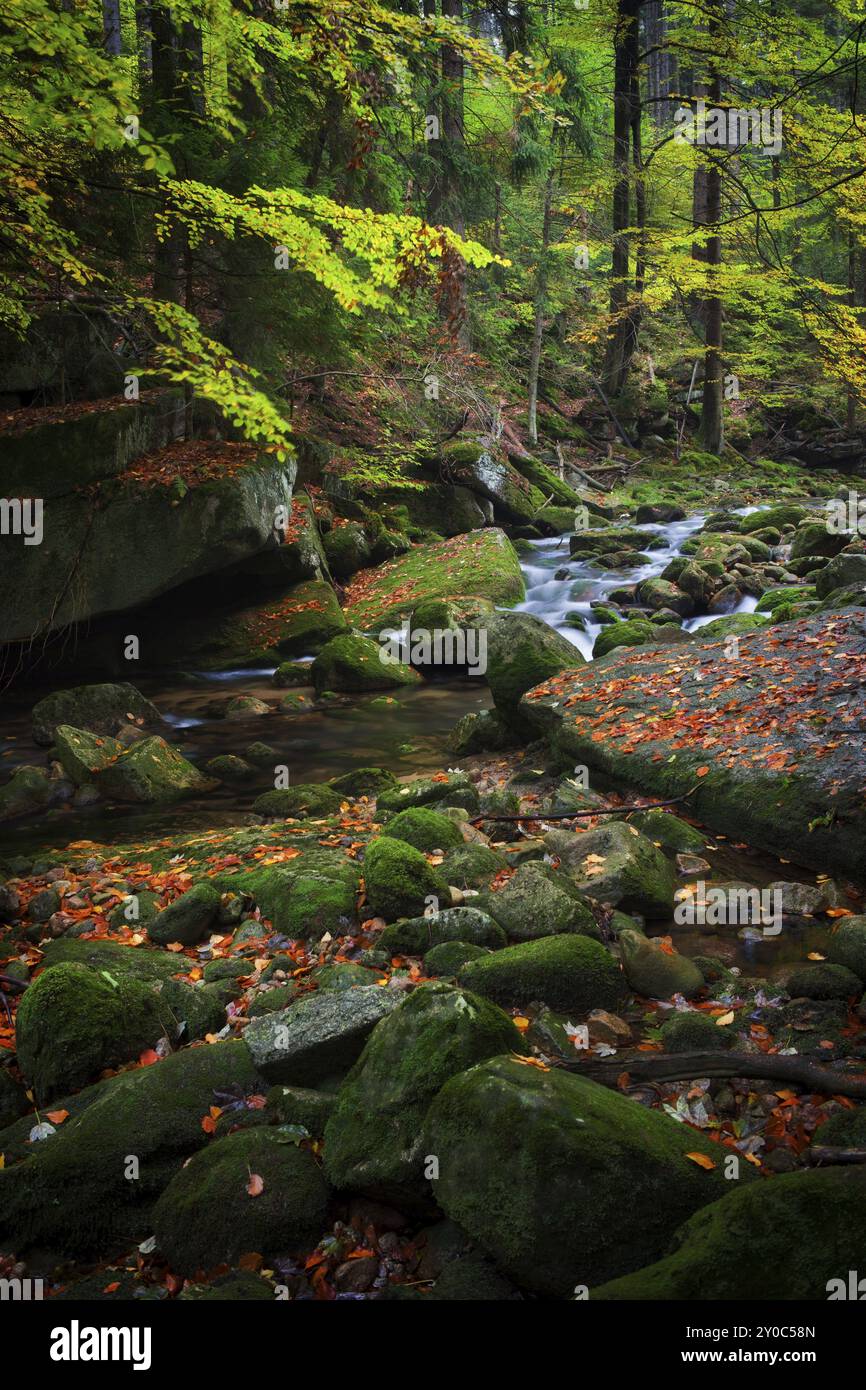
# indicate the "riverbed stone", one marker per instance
pixel 82 754
pixel 451 788
pixel 374 1140
pixel 418 935
pixel 580 1161
pixel 399 880
pixel 206 1216
pixel 657 972
pixel 668 831
pixel 823 980
pixel 522 651
pixel 99 709
pixel 354 663
pixel 568 972
pixel 151 771
pixel 847 945
pixel 313 799
pixel 72 1193
pixel 424 828
pixel 616 864
pixel 539 901
pixel 189 919
pixel 320 1035
pixel 73 1022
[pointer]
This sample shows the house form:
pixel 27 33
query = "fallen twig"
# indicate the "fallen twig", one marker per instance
pixel 598 811
pixel 689 1066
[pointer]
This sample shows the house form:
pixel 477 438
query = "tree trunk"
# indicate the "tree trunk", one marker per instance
pixel 619 330
pixel 112 38
pixel 712 416
pixel 540 309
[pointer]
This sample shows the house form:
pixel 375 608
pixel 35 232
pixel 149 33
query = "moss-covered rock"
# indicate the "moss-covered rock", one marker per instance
pixel 453 788
pixel 305 897
pixel 523 651
pixel 561 1181
pixel 151 770
pixel 351 662
pixel 115 958
pixel 843 572
pixel 634 632
pixel 816 538
pixel 847 946
pixel 539 901
pixel 299 1105
pixel 472 866
pixel 78 1192
pixel 570 973
pixel 417 935
pixel 197 1009
pixel 694 1032
pixel 669 832
pixel 449 957
pixel 344 975
pixel 28 790
pixel 480 563
pixel 313 799
pixel 99 709
pixel 399 881
pixel 207 1215
pixel 782 515
pixel 423 828
pixel 72 1023
pixel 657 973
pixel 618 865
pixel 82 754
pixel 364 781
pixel 733 623
pixel 784 594
pixel 189 918
pixel 374 1139
pixel 347 549
pixel 481 731
pixel 824 981
pixel 793 1238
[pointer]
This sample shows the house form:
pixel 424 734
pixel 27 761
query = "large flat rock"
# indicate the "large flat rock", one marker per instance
pixel 766 734
pixel 320 1035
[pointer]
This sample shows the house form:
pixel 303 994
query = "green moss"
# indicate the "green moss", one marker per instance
pixel 782 1239
pixel 546 1170
pixel 449 957
pixel 374 1139
pixel 206 1216
pixel 455 788
pixel 522 652
pixel 354 663
pixel 567 972
pixel 538 901
pixel 694 1032
pixel 482 563
pixel 296 1105
pixel 472 866
pixel 189 918
pixel 824 981
pixel 423 828
pixel 847 946
pixel 364 781
pixel 787 593
pixel 75 1192
pixel 313 799
pixel 416 936
pixel 72 1023
pixel 667 830
pixel 399 881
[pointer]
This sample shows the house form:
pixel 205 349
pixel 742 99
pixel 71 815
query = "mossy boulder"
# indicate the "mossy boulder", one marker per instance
pixel 417 935
pixel 656 972
pixel 472 866
pixel 561 1181
pixel 661 593
pixel 694 1032
pixel 816 538
pixel 344 975
pixel 208 1217
pixel 399 881
pixel 374 1140
pixel 449 957
pixel 306 897
pixel 196 1009
pixel 189 918
pixel 635 632
pixel 72 1023
pixel 784 594
pixel 290 674
pixel 539 901
pixel 351 662
pixel 99 709
pixel 483 564
pixel 151 770
pixel 320 1036
pixel 347 549
pixel 115 958
pixel 226 767
pixel 616 864
pixel 522 652
pixel 75 1193
pixel 28 790
pixel 364 781
pixel 453 788
pixel 847 946
pixel 780 516
pixel 733 624
pixel 480 731
pixel 790 1239
pixel 313 799
pixel 824 981
pixel 307 618
pixel 669 832
pixel 569 973
pixel 843 572
pixel 423 828
pixel 82 754
pixel 300 1105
